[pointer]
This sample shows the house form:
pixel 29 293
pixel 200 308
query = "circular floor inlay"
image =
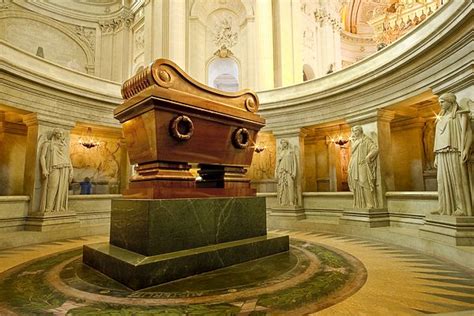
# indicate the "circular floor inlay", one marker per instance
pixel 308 278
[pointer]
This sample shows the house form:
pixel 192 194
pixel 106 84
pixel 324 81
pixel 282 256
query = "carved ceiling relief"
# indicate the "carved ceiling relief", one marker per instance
pixel 139 40
pixel 4 4
pixel 50 35
pixel 224 37
pixel 323 16
pixel 117 24
pixel 400 17
pixel 87 34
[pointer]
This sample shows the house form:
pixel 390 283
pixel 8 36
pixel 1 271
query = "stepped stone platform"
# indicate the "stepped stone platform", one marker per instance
pixel 157 241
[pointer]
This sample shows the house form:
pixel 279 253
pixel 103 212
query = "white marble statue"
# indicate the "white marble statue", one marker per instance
pixel 56 171
pixel 362 169
pixel 285 172
pixel 453 138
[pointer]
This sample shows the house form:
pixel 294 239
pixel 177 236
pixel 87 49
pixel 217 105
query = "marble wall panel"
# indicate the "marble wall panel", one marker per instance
pixel 12 163
pixel 263 163
pixel 407 161
pixel 101 164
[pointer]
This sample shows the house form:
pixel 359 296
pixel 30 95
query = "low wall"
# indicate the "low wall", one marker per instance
pixel 92 209
pixel 408 209
pixel 326 206
pixel 407 212
pixel 13 210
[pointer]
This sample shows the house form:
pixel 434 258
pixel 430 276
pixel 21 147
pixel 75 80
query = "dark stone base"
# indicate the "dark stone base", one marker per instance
pixel 157 241
pixel 138 271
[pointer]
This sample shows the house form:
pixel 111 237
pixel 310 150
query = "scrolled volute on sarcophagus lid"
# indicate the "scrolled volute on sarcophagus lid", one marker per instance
pixel 170 120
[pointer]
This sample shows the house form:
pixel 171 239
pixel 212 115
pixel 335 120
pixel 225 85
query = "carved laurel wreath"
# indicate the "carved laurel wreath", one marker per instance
pixel 241 138
pixel 181 128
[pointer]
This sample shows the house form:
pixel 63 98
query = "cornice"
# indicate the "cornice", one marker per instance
pixel 18 62
pixel 34 119
pixel 357 38
pixel 33 84
pixel 85 37
pixel 66 15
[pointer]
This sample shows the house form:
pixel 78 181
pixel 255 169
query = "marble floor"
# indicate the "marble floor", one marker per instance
pixel 374 279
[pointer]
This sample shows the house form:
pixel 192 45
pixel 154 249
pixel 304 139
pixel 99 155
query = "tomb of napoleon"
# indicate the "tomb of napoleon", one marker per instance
pixel 168 225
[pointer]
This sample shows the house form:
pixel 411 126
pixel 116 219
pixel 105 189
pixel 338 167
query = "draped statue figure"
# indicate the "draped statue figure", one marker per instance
pixel 362 169
pixel 453 139
pixel 285 172
pixel 56 171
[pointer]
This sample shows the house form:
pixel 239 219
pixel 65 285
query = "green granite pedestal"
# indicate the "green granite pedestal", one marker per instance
pixel 157 241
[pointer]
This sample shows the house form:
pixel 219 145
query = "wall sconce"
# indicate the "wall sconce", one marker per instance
pixel 258 148
pixel 340 141
pixel 88 140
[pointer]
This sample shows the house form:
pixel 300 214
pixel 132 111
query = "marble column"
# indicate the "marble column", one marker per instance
pixel 156 30
pixel 38 128
pixel 105 61
pixel 295 140
pixel 264 31
pixel 288 35
pixel 177 27
pixel 197 50
pixel 252 71
pixel 337 48
pixel 121 52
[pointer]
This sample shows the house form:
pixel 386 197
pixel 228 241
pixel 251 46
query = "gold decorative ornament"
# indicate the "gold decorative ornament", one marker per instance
pixel 241 138
pixel 181 128
pixel 164 75
pixel 250 105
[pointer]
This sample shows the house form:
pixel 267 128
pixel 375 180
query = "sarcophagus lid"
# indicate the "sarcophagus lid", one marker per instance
pixel 169 117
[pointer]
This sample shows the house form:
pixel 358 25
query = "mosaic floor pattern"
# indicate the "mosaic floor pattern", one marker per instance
pixel 324 273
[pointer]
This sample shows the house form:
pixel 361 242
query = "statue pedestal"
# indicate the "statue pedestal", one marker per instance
pixel 374 217
pixel 294 212
pixel 452 230
pixel 157 241
pixel 51 221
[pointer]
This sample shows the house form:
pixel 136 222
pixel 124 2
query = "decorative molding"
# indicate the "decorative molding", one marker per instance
pixel 223 52
pixel 5 4
pixel 223 35
pixel 83 36
pixel 323 16
pixel 87 34
pixel 139 39
pixel 363 40
pixel 117 24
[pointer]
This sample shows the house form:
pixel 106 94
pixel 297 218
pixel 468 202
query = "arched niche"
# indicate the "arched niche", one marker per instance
pixel 205 20
pixel 58 43
pixel 223 74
